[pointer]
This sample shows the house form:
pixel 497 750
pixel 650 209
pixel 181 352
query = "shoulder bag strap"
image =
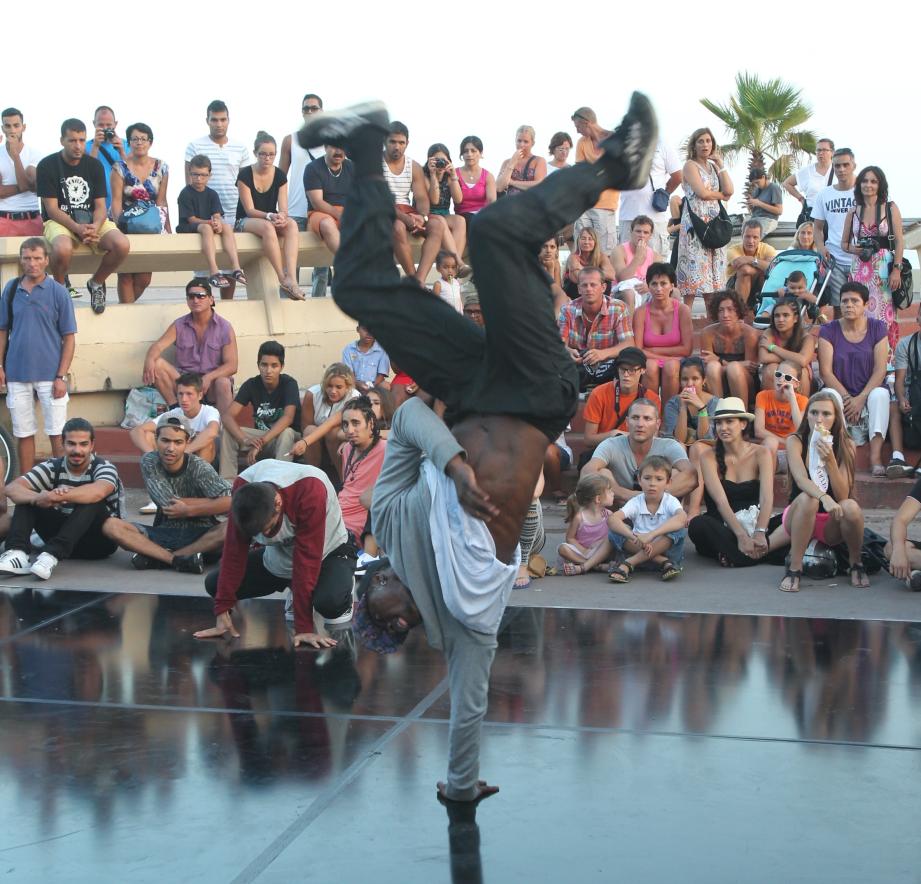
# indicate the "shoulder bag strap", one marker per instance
pixel 831 175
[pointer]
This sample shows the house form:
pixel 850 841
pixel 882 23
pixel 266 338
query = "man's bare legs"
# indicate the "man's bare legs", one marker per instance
pixel 116 247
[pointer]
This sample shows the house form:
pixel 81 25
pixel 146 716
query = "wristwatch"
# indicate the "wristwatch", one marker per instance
pixel 60 377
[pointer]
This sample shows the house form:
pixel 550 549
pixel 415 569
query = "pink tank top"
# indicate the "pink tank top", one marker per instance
pixel 474 196
pixel 640 271
pixel 671 338
pixel 590 535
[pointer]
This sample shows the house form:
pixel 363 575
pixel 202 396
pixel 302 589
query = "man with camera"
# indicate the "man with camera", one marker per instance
pixel 106 146
pixel 595 327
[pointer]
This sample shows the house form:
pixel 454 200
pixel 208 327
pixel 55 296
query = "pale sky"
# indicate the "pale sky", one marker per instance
pixel 473 69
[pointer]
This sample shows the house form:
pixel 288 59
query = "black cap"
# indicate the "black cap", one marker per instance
pixel 631 356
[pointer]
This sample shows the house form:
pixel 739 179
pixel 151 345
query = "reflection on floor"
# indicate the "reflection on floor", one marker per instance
pixel 632 745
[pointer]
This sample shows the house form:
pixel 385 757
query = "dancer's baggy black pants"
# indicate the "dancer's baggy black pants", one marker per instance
pixel 518 366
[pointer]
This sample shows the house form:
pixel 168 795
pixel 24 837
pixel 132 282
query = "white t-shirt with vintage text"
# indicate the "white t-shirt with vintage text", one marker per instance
pixel 832 206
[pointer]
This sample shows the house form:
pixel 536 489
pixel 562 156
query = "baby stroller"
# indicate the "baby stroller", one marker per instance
pixel 816 270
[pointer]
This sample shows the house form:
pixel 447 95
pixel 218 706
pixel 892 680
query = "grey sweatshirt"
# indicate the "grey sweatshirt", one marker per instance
pixel 400 522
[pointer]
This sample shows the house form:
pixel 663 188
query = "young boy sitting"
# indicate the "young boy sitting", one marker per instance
pixel 200 212
pixel 204 420
pixel 778 412
pixel 659 525
pixel 367 359
pixel 795 286
pixel 276 403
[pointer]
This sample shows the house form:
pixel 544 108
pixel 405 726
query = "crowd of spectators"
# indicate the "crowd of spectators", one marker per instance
pixel 684 431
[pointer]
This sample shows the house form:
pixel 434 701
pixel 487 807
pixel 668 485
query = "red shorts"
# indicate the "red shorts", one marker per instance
pixel 818 529
pixel 21 226
pixel 315 219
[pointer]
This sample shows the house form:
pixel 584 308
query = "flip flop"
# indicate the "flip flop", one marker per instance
pixel 518 584
pixel 239 276
pixel 218 281
pixel 792 575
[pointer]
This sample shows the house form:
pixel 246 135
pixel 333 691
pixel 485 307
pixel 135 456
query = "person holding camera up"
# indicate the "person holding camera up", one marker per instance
pixel 444 186
pixel 107 146
pixel 873 235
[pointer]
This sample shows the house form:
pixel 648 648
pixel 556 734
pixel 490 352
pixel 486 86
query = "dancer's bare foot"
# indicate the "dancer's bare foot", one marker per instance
pixel 483 790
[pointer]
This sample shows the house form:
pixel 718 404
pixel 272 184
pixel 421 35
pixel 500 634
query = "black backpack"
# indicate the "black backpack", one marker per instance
pixel 912 421
pixel 9 293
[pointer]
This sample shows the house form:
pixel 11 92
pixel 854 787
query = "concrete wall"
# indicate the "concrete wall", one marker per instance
pixel 110 349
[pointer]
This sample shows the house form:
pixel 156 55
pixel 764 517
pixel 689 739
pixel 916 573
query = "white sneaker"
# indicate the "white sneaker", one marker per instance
pixel 44 565
pixel 342 618
pixel 14 561
pixel 148 509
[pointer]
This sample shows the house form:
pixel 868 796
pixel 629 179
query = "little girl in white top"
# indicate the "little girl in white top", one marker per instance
pixel 448 287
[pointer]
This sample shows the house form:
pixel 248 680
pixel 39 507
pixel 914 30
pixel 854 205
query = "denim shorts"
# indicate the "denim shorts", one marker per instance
pixel 172 537
pixel 675 553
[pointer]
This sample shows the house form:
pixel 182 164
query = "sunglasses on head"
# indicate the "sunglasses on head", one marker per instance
pixel 789 378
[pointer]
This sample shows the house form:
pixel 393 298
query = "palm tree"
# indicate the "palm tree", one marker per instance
pixel 764 119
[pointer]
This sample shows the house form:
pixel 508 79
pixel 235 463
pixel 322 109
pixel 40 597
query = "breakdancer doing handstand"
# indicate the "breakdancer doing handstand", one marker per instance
pixel 449 503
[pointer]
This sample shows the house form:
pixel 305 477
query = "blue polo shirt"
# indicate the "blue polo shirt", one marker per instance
pixel 40 319
pixel 367 366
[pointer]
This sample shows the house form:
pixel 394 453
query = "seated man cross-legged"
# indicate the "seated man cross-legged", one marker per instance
pixel 189 496
pixel 66 501
pixel 450 503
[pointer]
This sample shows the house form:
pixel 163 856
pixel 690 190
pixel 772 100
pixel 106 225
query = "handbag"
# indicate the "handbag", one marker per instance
pixel 715 233
pixel 142 217
pixel 659 197
pixel 805 213
pixel 904 294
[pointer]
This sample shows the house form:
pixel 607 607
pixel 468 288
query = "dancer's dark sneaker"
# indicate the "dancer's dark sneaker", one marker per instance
pixel 632 144
pixel 335 127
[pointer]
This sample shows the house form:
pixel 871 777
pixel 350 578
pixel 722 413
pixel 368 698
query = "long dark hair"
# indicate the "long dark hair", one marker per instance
pixel 842 446
pixel 719 450
pixel 438 147
pixel 882 194
pixel 797 334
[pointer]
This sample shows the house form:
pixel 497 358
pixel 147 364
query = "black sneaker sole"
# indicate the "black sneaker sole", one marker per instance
pixel 634 142
pixel 335 127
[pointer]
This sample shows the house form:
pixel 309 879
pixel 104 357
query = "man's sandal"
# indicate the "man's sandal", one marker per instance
pixel 857 569
pixel 620 573
pixel 669 571
pixel 792 576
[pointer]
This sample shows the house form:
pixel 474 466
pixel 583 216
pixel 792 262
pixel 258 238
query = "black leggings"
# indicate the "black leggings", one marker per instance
pixel 712 538
pixel 518 366
pixel 332 594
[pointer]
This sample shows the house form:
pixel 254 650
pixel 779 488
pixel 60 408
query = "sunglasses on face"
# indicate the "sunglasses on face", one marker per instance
pixel 789 378
pixel 310 108
pixel 197 296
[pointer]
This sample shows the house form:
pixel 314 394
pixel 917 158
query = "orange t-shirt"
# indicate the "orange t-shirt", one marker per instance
pixel 599 409
pixel 586 152
pixel 778 418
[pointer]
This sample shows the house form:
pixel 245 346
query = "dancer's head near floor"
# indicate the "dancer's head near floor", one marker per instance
pixel 385 611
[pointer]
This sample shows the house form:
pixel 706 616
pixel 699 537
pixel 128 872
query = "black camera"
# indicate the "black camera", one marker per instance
pixel 440 163
pixel 109 134
pixel 868 247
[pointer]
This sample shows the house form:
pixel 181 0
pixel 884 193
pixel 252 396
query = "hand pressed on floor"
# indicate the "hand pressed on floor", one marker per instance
pixel 224 628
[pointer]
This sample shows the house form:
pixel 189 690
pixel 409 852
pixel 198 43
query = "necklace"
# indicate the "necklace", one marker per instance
pixel 331 172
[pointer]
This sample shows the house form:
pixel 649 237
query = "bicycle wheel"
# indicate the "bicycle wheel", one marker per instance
pixel 9 459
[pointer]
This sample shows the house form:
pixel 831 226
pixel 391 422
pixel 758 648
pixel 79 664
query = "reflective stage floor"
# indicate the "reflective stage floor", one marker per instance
pixel 631 746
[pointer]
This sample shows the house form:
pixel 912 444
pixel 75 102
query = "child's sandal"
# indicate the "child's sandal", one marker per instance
pixel 620 573
pixel 669 571
pixel 572 569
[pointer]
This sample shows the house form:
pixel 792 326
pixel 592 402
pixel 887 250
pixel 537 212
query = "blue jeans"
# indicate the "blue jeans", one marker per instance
pixel 675 553
pixel 320 276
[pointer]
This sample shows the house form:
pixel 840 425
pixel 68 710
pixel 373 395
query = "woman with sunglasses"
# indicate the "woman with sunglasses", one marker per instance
pixel 821 506
pixel 785 340
pixel 779 411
